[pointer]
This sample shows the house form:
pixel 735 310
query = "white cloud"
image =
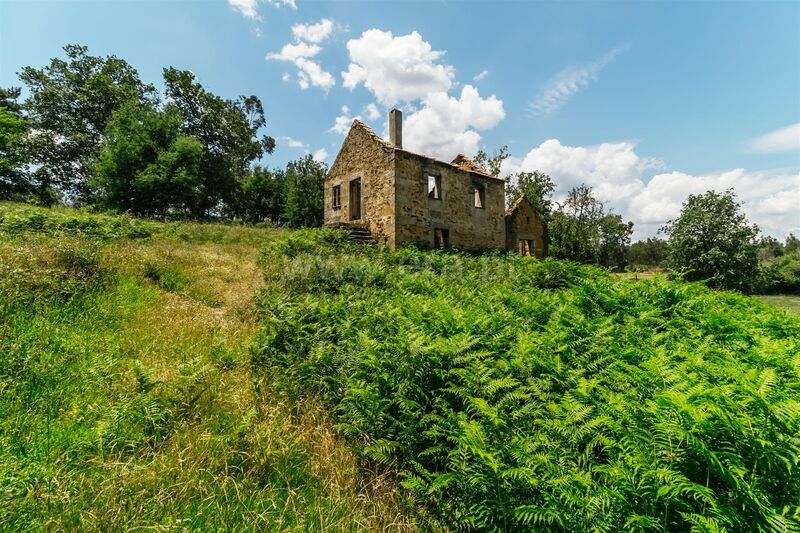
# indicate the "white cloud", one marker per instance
pixel 372 112
pixel 313 33
pixel 566 83
pixel 781 140
pixel 481 75
pixel 343 122
pixel 320 155
pixel 286 76
pixel 292 143
pixel 309 72
pixel 280 3
pixel 246 7
pixel 617 174
pixel 445 126
pixel 249 8
pixel 396 69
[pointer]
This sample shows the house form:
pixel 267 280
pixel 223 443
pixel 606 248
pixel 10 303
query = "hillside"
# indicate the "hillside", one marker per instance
pixel 126 396
pixel 218 377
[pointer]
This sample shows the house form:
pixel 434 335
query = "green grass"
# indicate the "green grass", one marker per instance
pixel 514 394
pixel 791 303
pixel 127 399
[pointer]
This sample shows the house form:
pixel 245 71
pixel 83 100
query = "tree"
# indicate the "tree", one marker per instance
pixel 227 131
pixel 69 106
pixel 575 226
pixel 581 230
pixel 537 186
pixel 652 252
pixel 712 240
pixel 13 129
pixel 261 196
pixel 304 192
pixel 792 244
pixel 147 166
pixel 615 236
pixel 492 163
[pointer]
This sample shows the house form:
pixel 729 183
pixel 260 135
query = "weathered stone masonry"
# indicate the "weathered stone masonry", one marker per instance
pixel 402 197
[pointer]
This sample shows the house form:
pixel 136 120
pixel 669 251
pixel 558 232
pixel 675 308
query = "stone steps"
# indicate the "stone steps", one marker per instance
pixel 358 233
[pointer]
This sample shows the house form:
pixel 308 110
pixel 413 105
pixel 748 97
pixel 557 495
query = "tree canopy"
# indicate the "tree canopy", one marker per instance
pixel 712 240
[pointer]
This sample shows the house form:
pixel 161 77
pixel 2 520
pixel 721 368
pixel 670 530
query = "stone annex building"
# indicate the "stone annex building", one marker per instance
pixel 383 193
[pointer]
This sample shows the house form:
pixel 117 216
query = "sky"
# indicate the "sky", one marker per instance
pixel 646 102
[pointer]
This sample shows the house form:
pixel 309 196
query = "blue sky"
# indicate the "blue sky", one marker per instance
pixel 647 102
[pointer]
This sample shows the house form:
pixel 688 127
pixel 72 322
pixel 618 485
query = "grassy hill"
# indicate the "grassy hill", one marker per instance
pixel 126 395
pixel 212 377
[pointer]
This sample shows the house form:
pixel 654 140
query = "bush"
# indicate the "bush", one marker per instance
pixel 782 275
pixel 20 220
pixel 517 394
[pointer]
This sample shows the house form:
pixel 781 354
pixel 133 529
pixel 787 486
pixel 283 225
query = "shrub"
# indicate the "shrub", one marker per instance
pixel 782 275
pixel 537 395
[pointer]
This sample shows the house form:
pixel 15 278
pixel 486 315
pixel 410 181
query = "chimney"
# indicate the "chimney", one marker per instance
pixel 396 128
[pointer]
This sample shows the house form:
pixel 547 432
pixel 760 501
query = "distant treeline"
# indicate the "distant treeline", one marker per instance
pixel 91 132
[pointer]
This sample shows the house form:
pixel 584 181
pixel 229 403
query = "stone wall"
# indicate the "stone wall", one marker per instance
pixel 418 216
pixel 364 155
pixel 523 222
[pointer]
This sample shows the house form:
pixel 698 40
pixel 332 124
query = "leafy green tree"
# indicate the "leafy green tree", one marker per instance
pixel 146 166
pixel 13 130
pixel 712 240
pixel 69 106
pixel 581 230
pixel 304 192
pixel 492 162
pixel 261 196
pixel 228 131
pixel 615 237
pixel 769 248
pixel 792 244
pixel 537 186
pixel 652 252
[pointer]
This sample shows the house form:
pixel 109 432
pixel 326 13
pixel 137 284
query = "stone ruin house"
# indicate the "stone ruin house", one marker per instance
pixel 382 193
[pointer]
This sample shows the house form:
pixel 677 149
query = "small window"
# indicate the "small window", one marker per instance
pixel 337 196
pixel 479 195
pixel 435 187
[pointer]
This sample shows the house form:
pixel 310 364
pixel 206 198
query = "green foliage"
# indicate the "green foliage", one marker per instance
pixel 69 105
pixel 712 240
pixel 537 186
pixel 227 131
pixel 514 394
pixel 651 253
pixel 782 275
pixel 581 230
pixel 146 166
pixel 23 221
pixel 13 128
pixel 305 178
pixel 261 196
pixel 493 162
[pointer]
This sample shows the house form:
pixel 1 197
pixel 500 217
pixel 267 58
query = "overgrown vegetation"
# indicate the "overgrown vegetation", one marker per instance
pixel 515 394
pixel 126 396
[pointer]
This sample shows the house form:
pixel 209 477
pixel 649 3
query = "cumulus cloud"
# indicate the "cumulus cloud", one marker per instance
pixel 445 126
pixel 291 143
pixel 280 3
pixel 320 155
pixel 246 7
pixel 396 69
pixel 618 175
pixel 343 122
pixel 781 140
pixel 372 112
pixel 309 72
pixel 569 81
pixel 482 74
pixel 313 33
